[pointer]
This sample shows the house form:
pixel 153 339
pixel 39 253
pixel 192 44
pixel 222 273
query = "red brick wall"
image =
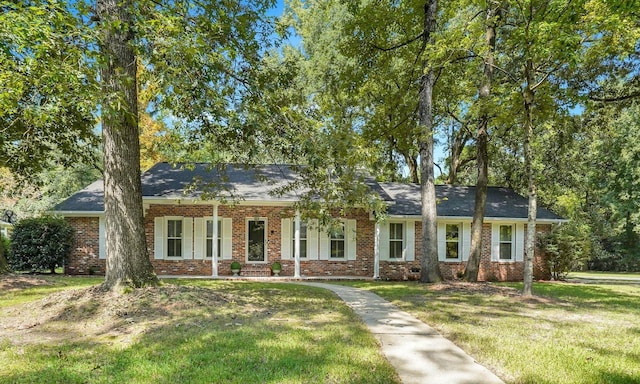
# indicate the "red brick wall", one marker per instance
pixel 489 270
pixel 84 258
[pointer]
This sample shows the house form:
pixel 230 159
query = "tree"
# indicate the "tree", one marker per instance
pixel 429 256
pixel 473 263
pixel 128 262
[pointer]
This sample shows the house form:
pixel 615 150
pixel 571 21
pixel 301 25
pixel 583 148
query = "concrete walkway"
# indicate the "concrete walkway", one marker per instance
pixel 419 354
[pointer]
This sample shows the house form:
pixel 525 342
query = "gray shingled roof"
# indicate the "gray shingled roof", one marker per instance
pixel 457 201
pixel 164 180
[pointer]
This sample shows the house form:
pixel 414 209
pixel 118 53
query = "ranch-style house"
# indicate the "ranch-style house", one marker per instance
pixel 192 236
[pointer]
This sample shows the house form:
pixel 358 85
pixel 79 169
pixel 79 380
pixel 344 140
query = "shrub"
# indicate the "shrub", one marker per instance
pixel 40 244
pixel 4 254
pixel 567 246
pixel 235 265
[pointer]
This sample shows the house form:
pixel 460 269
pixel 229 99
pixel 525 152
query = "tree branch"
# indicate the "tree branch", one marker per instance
pixel 398 45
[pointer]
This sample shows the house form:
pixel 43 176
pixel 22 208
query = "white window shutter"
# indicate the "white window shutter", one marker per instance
pixel 495 242
pixel 187 238
pixel 351 236
pixel 466 241
pixel 158 233
pixel 325 244
pixel 227 239
pixel 442 241
pixel 199 238
pixel 102 237
pixel 285 239
pixel 410 242
pixel 519 242
pixel 384 241
pixel 312 240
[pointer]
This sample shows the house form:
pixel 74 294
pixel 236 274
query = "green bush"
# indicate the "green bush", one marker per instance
pixel 4 254
pixel 40 244
pixel 567 246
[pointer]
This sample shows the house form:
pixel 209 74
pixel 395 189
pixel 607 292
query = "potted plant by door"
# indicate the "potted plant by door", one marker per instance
pixel 235 268
pixel 276 268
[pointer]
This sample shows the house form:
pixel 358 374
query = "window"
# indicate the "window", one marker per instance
pixel 303 239
pixel 337 242
pixel 256 240
pixel 396 240
pixel 210 238
pixel 506 242
pixel 174 238
pixel 453 241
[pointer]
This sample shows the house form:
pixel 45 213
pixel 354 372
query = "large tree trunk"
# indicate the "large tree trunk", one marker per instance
pixel 126 248
pixel 473 263
pixel 430 271
pixel 528 97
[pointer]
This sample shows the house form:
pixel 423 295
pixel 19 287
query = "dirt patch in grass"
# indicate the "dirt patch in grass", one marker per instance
pixel 91 313
pixel 12 281
pixel 489 289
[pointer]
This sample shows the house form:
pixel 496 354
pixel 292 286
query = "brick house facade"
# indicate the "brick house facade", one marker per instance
pixel 259 231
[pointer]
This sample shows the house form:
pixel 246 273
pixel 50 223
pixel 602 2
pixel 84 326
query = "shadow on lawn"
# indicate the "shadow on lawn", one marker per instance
pixel 223 343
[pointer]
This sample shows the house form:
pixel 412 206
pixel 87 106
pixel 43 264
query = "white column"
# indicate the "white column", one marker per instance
pixel 296 246
pixel 214 242
pixel 376 253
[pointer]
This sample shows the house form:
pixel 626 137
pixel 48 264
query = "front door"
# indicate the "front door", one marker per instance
pixel 256 230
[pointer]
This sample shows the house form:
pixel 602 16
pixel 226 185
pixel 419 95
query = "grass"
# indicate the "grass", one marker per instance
pixel 570 334
pixel 604 275
pixel 256 333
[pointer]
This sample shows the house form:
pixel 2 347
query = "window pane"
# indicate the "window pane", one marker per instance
pixel 303 249
pixel 338 233
pixel 452 231
pixel 395 231
pixel 395 250
pixel 174 247
pixel 209 248
pixel 505 251
pixel 210 228
pixel 303 230
pixel 505 233
pixel 337 248
pixel 452 250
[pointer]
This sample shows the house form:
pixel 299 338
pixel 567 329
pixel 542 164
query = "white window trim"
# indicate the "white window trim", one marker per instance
pixel 460 236
pixel 517 242
pixel 205 238
pixel 266 240
pixel 344 241
pixel 404 241
pixel 166 237
pixel 305 239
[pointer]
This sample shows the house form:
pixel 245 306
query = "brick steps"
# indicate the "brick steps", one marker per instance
pixel 255 270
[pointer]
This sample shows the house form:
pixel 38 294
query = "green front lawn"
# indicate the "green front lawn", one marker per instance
pixel 570 333
pixel 604 275
pixel 193 331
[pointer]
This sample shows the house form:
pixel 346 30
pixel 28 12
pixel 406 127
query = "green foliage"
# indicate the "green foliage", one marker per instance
pixel 276 267
pixel 567 246
pixel 235 265
pixel 47 102
pixel 40 244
